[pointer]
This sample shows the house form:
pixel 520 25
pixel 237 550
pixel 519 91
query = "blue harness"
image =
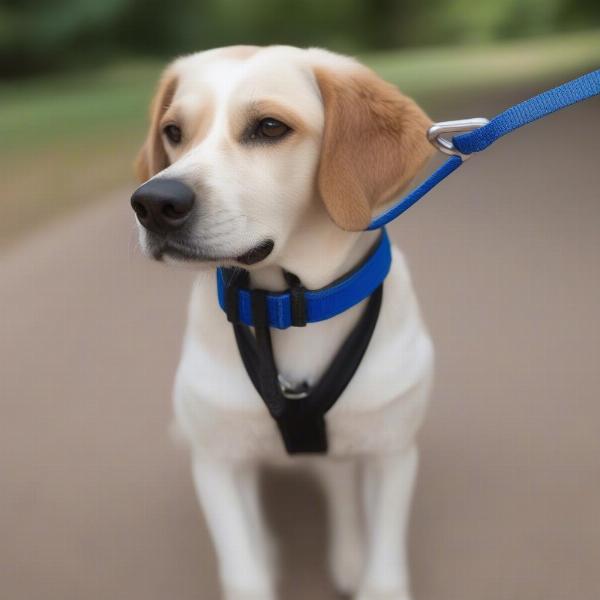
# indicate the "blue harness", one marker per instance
pixel 299 408
pixel 299 307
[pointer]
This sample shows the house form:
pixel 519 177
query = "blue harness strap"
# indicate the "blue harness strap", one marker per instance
pixel 318 305
pixel 535 108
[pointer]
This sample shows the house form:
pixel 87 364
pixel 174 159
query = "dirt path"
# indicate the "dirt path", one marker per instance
pixel 97 503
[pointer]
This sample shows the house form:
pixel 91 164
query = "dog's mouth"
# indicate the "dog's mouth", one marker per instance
pixel 183 252
pixel 256 254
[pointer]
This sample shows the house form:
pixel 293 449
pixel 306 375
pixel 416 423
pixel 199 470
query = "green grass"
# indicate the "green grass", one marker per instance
pixel 44 111
pixel 68 139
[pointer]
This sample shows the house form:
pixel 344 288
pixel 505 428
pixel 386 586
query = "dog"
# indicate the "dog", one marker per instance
pixel 274 160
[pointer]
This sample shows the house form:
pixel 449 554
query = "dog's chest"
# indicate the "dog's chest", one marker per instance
pixel 218 409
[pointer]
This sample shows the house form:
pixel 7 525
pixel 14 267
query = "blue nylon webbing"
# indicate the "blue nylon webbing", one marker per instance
pixel 448 167
pixel 535 108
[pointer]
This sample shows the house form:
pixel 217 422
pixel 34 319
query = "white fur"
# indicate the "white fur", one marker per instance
pixel 247 195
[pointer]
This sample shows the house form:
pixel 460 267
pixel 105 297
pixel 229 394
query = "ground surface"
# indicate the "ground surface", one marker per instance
pixel 97 503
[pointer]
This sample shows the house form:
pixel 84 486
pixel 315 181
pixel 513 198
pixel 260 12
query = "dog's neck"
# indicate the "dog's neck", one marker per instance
pixel 318 253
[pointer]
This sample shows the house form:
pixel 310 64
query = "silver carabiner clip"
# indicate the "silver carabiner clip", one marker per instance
pixel 444 144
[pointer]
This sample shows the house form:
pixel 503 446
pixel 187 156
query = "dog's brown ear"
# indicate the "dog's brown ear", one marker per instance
pixel 374 143
pixel 152 157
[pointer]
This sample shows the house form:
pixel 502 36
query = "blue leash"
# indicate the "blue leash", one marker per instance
pixel 297 307
pixel 482 133
pixel 299 409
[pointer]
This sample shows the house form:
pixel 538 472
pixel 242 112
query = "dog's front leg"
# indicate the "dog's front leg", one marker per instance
pixel 387 488
pixel 346 544
pixel 227 494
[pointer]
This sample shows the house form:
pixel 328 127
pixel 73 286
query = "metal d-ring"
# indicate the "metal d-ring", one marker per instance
pixel 293 391
pixel 444 144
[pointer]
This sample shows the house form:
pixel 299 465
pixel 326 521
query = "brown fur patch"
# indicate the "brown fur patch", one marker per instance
pixel 152 158
pixel 374 142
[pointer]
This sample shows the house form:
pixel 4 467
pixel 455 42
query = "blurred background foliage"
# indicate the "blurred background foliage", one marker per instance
pixel 76 76
pixel 39 35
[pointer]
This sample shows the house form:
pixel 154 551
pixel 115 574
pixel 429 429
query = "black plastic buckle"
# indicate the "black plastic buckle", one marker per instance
pixel 297 300
pixel 238 278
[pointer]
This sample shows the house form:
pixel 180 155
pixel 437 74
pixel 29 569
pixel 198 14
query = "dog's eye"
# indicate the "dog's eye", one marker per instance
pixel 173 133
pixel 269 129
pixel 272 128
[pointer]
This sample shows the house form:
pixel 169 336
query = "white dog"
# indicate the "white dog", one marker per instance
pixel 274 160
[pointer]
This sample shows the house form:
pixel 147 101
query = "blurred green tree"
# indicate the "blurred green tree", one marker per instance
pixel 39 35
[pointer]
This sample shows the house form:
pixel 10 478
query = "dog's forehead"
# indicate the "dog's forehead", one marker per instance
pixel 246 73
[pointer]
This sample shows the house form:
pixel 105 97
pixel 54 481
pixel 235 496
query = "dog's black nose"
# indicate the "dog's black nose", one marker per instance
pixel 162 205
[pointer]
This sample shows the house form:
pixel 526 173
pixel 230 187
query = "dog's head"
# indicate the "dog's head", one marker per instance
pixel 248 147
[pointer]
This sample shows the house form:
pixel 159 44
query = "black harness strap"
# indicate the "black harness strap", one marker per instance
pixel 299 411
